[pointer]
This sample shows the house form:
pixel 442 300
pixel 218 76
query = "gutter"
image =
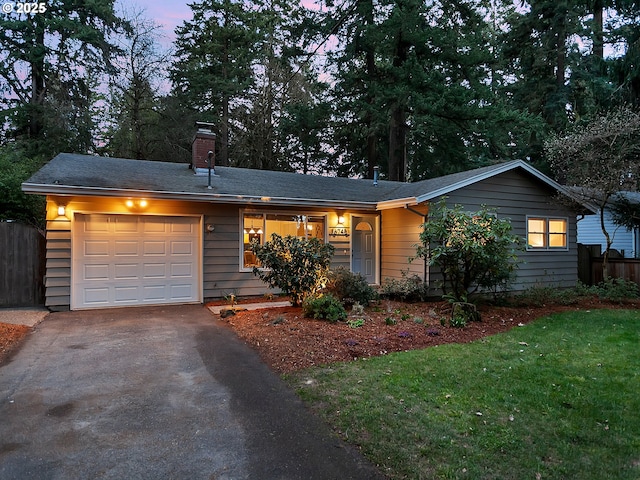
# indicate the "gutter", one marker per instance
pixel 64 190
pixel 425 271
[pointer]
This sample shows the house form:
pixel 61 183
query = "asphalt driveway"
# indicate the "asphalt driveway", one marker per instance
pixel 157 393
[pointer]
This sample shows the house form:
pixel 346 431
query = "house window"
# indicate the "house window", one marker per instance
pixel 258 227
pixel 545 233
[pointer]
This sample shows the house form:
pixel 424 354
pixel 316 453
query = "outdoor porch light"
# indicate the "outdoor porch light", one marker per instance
pixel 62 210
pixel 136 204
pixel 340 230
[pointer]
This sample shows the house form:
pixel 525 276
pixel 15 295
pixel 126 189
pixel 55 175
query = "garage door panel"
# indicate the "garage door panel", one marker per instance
pixel 182 248
pixel 96 272
pixel 154 270
pixel 155 225
pixel 95 248
pixel 125 224
pixel 181 292
pixel 126 271
pixel 125 248
pixel 181 227
pixel 128 294
pixel 96 296
pixel 135 260
pixel 96 224
pixel 153 293
pixel 183 270
pixel 154 248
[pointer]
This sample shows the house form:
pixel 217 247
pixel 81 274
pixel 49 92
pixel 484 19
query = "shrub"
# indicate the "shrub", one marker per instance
pixel 616 289
pixel 613 290
pixel 407 289
pixel 462 313
pixel 350 288
pixel 471 250
pixel 325 307
pixel 297 266
pixel 355 323
pixel 537 295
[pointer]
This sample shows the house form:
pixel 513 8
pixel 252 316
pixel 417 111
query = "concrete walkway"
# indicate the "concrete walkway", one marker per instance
pixel 156 393
pixel 29 316
pixel 248 306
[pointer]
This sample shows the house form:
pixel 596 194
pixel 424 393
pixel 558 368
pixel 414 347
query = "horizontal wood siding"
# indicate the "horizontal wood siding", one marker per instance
pixel 222 275
pixel 515 195
pixel 57 279
pixel 221 271
pixel 400 233
pixel 590 233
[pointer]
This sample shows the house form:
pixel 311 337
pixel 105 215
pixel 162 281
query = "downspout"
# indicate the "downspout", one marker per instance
pixel 425 272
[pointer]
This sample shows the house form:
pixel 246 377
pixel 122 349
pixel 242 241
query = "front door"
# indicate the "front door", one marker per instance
pixel 364 248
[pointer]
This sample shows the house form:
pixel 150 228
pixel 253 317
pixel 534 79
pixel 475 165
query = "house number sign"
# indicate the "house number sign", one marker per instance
pixel 339 232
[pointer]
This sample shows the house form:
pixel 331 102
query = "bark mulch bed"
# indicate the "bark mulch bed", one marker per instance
pixel 10 338
pixel 287 341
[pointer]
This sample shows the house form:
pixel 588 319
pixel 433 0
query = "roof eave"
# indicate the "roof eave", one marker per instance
pixel 65 190
pixel 397 203
pixel 501 168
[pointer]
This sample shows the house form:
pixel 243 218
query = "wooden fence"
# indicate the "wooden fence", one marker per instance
pixel 22 261
pixel 590 266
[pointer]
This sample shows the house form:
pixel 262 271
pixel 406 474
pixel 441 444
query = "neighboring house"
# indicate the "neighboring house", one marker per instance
pixel 625 241
pixel 131 232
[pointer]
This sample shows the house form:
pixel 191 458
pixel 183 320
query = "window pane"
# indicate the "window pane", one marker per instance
pixel 536 232
pixel 536 225
pixel 302 226
pixel 259 227
pixel 315 227
pixel 557 226
pixel 536 240
pixel 557 240
pixel 253 230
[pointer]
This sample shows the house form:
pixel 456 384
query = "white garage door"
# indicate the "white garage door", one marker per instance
pixel 123 260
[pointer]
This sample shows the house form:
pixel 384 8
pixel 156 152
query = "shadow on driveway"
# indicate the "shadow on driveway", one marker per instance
pixel 156 392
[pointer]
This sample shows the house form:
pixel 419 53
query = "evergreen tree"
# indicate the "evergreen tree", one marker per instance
pixel 541 47
pixel 212 73
pixel 416 89
pixel 625 35
pixel 50 64
pixel 134 101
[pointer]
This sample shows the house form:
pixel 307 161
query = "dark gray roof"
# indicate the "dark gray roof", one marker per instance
pixel 91 175
pixel 592 197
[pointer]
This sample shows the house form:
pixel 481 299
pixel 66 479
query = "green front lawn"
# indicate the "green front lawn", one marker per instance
pixel 555 399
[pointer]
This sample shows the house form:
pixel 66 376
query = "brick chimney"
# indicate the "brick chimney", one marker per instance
pixel 204 142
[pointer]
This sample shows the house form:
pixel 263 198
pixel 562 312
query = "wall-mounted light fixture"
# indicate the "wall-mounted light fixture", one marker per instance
pixel 136 203
pixel 340 230
pixel 62 210
pixel 210 227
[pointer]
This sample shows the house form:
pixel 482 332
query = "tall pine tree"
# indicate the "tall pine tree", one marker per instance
pixel 213 72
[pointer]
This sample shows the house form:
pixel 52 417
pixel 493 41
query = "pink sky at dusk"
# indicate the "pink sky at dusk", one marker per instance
pixel 168 15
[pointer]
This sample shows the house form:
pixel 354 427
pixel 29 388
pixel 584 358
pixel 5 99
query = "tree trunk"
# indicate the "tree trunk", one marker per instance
pixel 397 126
pixel 224 135
pixel 397 139
pixel 370 59
pixel 35 119
pixel 598 29
pixel 605 256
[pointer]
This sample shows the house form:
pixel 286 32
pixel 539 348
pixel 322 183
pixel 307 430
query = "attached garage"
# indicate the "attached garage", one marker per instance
pixel 122 260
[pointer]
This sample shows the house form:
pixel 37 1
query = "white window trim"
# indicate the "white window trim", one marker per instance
pixel 546 248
